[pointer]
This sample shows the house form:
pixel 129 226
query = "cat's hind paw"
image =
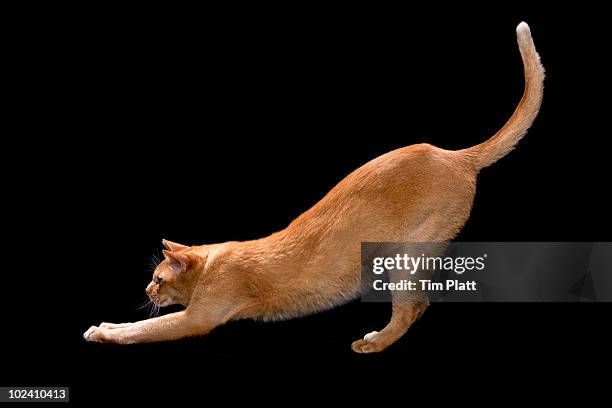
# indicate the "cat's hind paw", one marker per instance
pixel 368 344
pixel 364 347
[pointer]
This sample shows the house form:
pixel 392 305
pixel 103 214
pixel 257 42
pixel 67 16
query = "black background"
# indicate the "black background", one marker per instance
pixel 206 126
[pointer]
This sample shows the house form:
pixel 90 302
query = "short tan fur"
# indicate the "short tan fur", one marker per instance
pixel 418 193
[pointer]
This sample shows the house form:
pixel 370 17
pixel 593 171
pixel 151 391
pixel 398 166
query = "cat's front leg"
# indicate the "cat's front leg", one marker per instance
pixel 168 327
pixel 115 325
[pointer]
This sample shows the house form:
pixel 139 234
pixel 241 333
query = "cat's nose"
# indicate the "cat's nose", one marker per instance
pixel 149 289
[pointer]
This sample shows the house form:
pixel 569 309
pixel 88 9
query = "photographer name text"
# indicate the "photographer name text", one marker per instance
pixel 426 284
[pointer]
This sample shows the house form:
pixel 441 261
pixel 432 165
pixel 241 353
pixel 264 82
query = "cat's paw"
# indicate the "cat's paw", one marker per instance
pixel 370 336
pixel 368 344
pixel 97 334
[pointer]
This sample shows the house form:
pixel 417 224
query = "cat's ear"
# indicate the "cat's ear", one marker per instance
pixel 173 246
pixel 178 262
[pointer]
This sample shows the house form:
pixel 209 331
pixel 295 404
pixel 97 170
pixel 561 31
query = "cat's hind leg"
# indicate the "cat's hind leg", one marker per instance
pixel 404 314
pixel 408 306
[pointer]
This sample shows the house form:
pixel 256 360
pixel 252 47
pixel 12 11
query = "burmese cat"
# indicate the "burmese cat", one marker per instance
pixel 419 193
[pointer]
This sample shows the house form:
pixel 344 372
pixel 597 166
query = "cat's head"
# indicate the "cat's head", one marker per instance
pixel 173 278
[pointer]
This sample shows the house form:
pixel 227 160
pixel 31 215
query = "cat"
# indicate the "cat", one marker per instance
pixel 418 193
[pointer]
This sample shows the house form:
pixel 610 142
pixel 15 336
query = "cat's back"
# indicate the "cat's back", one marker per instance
pixel 408 172
pixel 394 191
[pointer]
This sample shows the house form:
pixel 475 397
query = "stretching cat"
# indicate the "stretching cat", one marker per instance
pixel 419 193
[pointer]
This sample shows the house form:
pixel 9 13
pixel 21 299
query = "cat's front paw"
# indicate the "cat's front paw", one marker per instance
pixel 97 334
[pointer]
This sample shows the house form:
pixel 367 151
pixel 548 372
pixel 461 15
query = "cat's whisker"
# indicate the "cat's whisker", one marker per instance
pixel 144 304
pixel 154 310
pixel 154 262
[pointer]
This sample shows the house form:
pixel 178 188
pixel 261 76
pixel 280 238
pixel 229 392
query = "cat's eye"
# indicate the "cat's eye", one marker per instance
pixel 157 279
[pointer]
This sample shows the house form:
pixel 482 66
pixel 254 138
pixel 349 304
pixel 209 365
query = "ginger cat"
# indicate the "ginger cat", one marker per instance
pixel 419 193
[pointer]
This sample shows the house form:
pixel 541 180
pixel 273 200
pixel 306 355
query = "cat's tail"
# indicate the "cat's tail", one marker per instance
pixel 507 137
